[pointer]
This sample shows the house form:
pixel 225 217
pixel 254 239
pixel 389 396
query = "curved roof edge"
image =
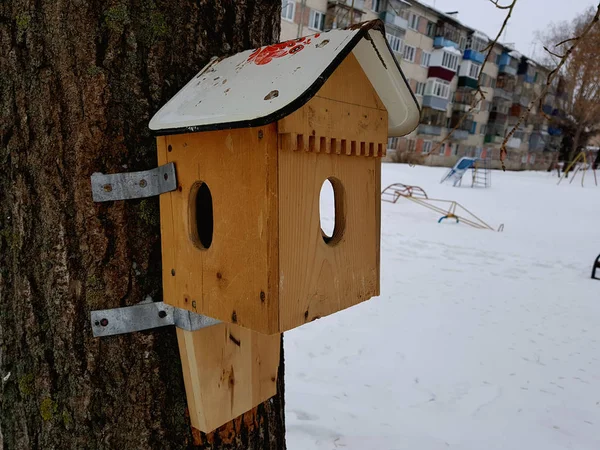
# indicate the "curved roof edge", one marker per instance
pixel 258 87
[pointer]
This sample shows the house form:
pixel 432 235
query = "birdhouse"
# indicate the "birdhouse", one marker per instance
pixel 254 137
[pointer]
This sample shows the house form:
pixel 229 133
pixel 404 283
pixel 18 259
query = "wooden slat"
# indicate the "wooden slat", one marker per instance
pixel 227 370
pixel 335 120
pixel 236 279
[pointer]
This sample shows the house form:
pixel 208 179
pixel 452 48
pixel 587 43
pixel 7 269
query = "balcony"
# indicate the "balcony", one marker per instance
pixel 355 4
pixel 432 130
pixel 502 94
pixel 493 139
pixel 434 102
pixel 497 117
pixel 537 141
pixel 392 19
pixel 513 142
pixel 440 42
pixel 474 56
pixel 459 135
pixel 510 70
pixel 528 78
pixel 467 82
pixel 553 131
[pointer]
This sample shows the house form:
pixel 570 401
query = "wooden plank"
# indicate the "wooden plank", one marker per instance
pixel 317 279
pixel 350 84
pixel 236 278
pixel 227 370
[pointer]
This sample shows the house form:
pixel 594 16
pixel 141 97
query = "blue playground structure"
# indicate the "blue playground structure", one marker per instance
pixel 481 173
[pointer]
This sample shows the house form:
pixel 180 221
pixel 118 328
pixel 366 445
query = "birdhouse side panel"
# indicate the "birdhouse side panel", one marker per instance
pixel 219 229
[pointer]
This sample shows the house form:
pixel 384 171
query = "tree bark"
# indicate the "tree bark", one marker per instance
pixel 79 82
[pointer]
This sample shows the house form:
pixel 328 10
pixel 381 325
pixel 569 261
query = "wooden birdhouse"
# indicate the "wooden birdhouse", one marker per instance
pixel 254 137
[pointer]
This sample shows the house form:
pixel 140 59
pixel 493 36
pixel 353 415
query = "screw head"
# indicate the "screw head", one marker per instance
pixel 260 134
pixel 172 272
pixel 104 322
pixel 107 187
pixel 162 314
pixel 143 183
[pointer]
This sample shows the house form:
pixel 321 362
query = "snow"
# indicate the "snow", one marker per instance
pixel 479 340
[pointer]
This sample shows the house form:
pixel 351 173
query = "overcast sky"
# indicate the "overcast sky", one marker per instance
pixel 528 17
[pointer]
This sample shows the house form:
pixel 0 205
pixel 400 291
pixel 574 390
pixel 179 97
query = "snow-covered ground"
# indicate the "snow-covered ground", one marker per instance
pixel 479 340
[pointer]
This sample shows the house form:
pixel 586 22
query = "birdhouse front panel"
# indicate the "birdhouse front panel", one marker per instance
pixel 338 136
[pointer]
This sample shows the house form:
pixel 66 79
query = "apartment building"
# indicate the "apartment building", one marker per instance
pixel 442 59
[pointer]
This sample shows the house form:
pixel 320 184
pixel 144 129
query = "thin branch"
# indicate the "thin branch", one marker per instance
pixel 566 40
pixel 479 94
pixel 553 54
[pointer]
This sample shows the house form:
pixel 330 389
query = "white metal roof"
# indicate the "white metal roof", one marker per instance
pixel 256 87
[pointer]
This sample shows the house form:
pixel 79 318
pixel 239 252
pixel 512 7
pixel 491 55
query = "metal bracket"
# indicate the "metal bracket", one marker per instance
pixel 145 316
pixel 131 185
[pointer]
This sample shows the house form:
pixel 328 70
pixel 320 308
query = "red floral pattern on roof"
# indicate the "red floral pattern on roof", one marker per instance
pixel 265 55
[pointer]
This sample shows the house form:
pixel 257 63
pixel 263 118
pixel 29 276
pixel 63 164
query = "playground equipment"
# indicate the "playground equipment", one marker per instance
pixel 456 173
pixel 449 209
pixel 394 191
pixel 581 165
pixel 594 267
pixel 481 175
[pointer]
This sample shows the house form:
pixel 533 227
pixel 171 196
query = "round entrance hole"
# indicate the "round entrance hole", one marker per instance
pixel 201 215
pixel 332 211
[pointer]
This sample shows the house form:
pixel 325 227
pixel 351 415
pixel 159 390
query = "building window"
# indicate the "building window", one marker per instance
pixel 477 44
pixel 532 158
pixel 375 5
pixel 392 143
pixel 316 21
pixel 483 128
pixel 409 53
pixel 413 21
pixel 485 79
pixel 438 88
pixel 493 83
pixel 524 158
pixel 425 59
pixel 454 148
pixel 474 70
pixel 411 145
pixel 462 42
pixel 287 10
pixel 395 42
pixel 442 149
pixel 430 29
pixel 427 146
pixel 450 61
pixel 420 90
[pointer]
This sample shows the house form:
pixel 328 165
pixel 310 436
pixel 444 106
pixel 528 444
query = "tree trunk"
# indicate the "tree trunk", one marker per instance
pixel 572 153
pixel 79 82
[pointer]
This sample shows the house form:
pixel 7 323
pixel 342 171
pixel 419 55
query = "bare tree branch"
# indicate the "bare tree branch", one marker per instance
pixel 540 98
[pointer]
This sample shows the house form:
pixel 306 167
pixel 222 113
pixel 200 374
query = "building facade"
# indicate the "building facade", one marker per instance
pixel 442 59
